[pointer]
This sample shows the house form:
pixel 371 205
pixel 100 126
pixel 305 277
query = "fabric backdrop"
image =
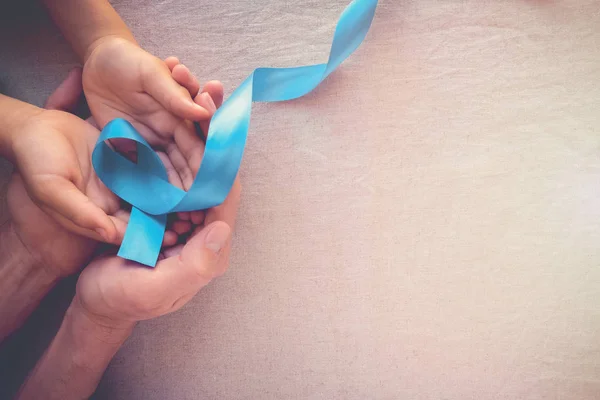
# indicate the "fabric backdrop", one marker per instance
pixel 424 226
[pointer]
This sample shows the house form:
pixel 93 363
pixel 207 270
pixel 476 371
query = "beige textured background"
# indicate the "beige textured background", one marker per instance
pixel 425 226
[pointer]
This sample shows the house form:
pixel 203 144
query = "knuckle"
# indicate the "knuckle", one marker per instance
pixel 205 270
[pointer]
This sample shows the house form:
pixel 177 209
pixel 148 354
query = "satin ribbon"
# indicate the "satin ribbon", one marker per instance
pixel 145 185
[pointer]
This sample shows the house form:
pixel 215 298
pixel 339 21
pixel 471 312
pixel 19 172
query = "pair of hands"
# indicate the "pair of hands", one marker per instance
pixel 60 208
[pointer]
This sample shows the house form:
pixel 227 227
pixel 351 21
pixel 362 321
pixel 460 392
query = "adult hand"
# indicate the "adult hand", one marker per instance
pixel 116 293
pixel 112 294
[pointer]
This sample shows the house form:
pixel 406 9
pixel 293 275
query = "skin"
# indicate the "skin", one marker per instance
pixel 120 80
pixel 114 294
pixel 60 209
pixel 36 249
pixel 67 151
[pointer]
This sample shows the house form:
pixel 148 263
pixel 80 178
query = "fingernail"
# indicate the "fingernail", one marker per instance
pixel 217 238
pixel 199 107
pixel 209 102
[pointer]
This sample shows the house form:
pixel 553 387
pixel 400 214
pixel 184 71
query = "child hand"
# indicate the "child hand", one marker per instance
pixel 46 161
pixel 52 153
pixel 121 80
pixel 59 249
pixel 185 164
pixel 181 165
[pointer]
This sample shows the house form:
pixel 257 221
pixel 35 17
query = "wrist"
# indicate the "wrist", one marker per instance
pixel 15 115
pixel 91 343
pixel 103 328
pixel 74 362
pixel 84 22
pixel 104 40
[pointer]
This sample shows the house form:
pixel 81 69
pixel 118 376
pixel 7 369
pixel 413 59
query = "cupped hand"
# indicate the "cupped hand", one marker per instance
pixel 121 80
pixel 52 153
pixel 57 249
pixel 159 98
pixel 54 196
pixel 116 293
pixel 46 206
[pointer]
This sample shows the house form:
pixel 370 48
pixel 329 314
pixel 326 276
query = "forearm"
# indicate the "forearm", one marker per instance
pixel 13 115
pixel 23 281
pixel 85 22
pixel 76 359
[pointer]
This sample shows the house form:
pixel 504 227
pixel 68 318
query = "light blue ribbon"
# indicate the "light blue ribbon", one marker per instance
pixel 145 185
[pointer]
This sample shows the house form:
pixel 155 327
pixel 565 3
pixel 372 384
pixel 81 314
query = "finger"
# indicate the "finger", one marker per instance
pixel 120 219
pixel 186 152
pixel 188 149
pixel 122 216
pixel 205 100
pixel 172 173
pixel 159 84
pixel 189 145
pixel 174 179
pixel 198 262
pixel 173 251
pixel 181 227
pixel 226 212
pixel 215 90
pixel 170 239
pixel 62 198
pixel 171 62
pixel 185 78
pixel 185 216
pixel 179 162
pixel 197 217
pixel 67 94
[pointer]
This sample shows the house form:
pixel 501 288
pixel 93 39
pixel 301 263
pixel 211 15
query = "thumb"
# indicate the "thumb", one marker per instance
pixel 200 259
pixel 174 98
pixel 74 210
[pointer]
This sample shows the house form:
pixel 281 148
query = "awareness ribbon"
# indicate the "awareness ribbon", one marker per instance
pixel 145 184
